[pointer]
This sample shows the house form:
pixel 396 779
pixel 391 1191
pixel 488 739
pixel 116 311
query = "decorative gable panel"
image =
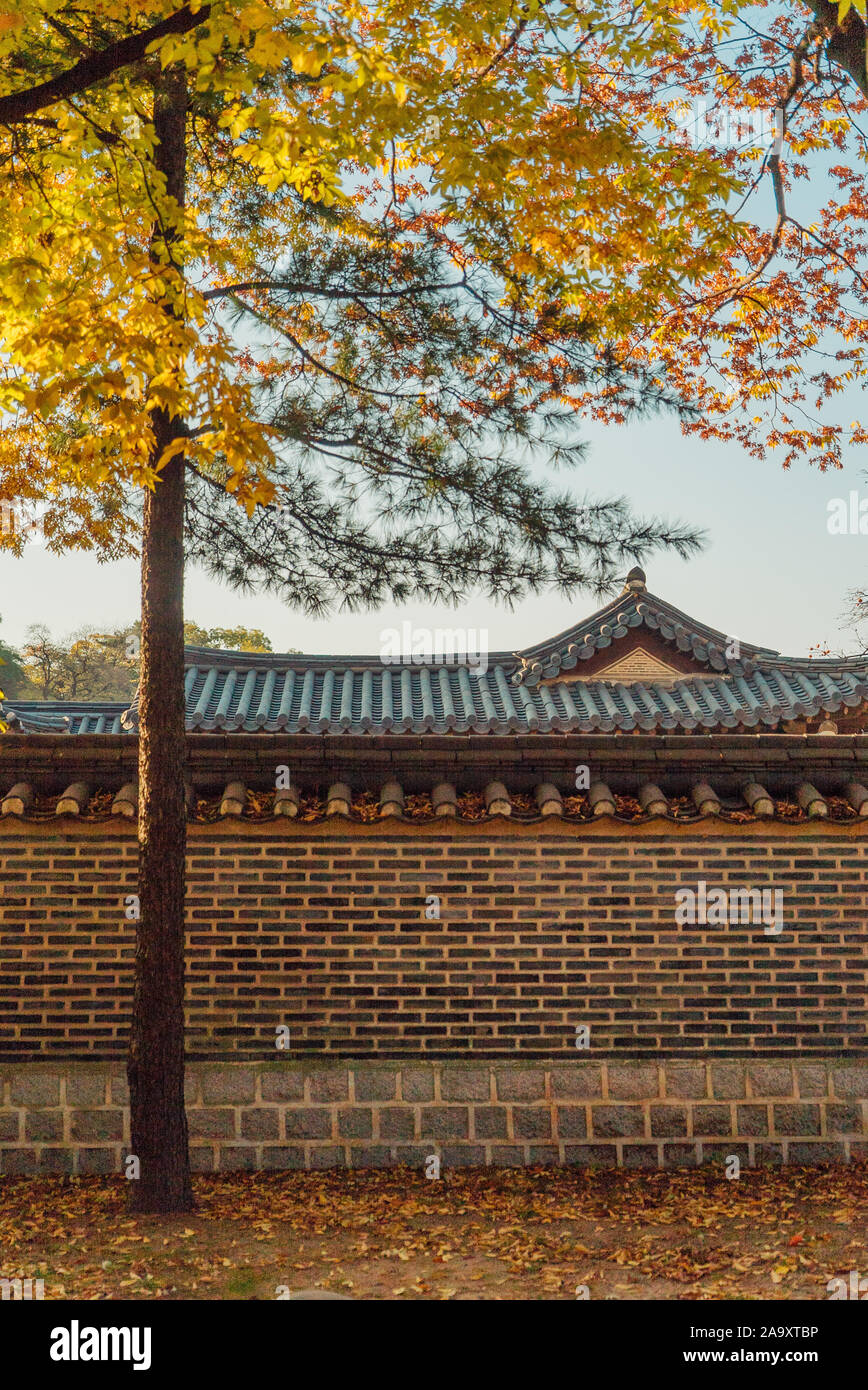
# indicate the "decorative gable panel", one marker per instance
pixel 638 665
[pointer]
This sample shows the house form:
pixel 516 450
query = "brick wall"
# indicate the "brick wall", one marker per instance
pixel 72 1117
pixel 543 928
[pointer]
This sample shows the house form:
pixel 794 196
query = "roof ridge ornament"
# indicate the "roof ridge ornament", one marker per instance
pixel 635 581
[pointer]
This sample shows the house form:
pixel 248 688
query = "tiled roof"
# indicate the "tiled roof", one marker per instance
pixel 252 692
pixel 60 717
pixel 442 698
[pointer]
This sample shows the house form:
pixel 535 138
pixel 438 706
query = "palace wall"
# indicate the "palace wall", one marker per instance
pixel 432 982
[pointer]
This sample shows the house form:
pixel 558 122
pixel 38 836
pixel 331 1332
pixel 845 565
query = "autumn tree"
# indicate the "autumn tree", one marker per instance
pixel 476 145
pixel 87 665
pixel 13 678
pixel 230 639
pixel 92 665
pixel 766 345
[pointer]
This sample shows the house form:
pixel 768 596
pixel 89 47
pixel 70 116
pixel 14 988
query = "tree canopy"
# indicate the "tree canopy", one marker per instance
pixel 765 345
pixel 230 639
pixel 93 665
pixel 530 165
pixel 363 181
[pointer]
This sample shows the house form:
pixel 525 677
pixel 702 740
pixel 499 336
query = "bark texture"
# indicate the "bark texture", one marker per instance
pixel 96 66
pixel 156 1059
pixel 844 43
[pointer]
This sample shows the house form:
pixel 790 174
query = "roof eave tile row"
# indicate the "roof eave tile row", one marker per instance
pixel 805 802
pixel 440 700
pixel 444 700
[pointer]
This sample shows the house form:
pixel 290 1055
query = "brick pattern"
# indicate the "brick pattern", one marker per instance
pixel 537 934
pixel 73 1118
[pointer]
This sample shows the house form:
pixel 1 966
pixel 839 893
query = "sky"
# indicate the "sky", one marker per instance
pixel 770 573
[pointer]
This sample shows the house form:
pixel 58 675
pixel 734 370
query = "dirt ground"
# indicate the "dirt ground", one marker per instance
pixel 472 1234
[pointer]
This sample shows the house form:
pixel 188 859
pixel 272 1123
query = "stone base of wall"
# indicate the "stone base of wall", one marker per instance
pixel 73 1117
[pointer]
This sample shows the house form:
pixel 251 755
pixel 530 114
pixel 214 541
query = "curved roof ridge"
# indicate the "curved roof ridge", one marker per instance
pixel 206 657
pixel 630 609
pixel 686 620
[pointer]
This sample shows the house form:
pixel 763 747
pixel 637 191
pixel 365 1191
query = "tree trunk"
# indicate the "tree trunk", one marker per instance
pixel 156 1057
pixel 845 42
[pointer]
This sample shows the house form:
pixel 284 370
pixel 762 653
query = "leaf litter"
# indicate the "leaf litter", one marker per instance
pixel 485 1233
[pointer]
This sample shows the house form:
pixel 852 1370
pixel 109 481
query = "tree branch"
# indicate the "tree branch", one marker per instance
pixel 18 106
pixel 324 291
